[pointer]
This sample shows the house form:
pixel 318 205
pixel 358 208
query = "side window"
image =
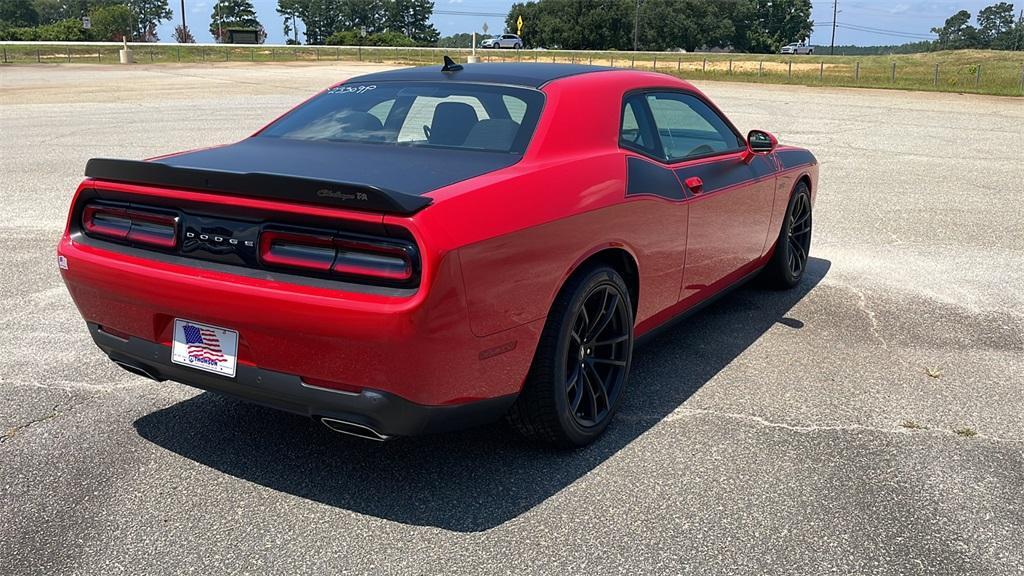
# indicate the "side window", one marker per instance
pixel 634 133
pixel 687 127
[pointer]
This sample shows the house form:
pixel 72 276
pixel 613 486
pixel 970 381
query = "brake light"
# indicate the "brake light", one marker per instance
pixel 339 256
pixel 306 251
pixel 131 225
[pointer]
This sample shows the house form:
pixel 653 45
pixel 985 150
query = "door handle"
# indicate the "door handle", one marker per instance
pixel 695 184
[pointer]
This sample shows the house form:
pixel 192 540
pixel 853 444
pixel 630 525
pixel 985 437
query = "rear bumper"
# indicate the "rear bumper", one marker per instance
pixel 383 412
pixel 419 349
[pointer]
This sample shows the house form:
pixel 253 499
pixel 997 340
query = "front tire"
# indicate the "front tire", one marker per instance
pixel 789 262
pixel 581 365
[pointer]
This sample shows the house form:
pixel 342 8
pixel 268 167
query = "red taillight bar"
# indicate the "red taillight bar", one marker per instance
pixel 131 225
pixel 306 251
pixel 345 257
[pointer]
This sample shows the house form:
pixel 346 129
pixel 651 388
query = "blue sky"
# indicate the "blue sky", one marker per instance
pixel 865 22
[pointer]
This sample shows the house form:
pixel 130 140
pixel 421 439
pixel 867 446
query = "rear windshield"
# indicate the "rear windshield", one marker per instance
pixel 447 115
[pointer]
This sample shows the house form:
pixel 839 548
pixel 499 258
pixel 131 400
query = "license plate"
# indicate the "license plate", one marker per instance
pixel 204 347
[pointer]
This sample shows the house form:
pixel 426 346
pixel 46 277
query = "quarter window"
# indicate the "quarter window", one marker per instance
pixel 635 130
pixel 687 127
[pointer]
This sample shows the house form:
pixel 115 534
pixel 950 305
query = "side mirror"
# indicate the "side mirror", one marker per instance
pixel 759 142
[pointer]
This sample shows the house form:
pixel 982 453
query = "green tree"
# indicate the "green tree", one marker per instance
pixel 354 38
pixel 51 11
pixel 322 18
pixel 687 24
pixel 410 18
pixel 996 26
pixel 957 32
pixel 763 26
pixel 234 14
pixel 148 14
pixel 460 40
pixel 69 30
pixel 756 25
pixel 111 23
pixel 574 24
pixel 16 13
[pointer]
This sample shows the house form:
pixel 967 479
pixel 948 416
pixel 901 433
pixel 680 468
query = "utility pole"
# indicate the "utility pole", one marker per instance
pixel 183 28
pixel 835 12
pixel 220 22
pixel 636 24
pixel 1018 36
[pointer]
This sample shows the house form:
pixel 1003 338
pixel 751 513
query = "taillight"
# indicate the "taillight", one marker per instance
pixel 348 257
pixel 132 225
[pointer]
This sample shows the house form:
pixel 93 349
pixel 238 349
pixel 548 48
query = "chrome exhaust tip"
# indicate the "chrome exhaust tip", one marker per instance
pixel 138 370
pixel 353 429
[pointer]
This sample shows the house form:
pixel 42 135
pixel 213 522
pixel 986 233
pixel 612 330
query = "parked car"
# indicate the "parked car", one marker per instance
pixel 503 41
pixel 797 48
pixel 425 249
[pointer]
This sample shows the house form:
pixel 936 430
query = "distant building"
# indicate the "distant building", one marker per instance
pixel 241 36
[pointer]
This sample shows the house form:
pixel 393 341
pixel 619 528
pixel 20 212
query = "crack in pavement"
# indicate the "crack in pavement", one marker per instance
pixel 54 412
pixel 681 413
pixel 862 304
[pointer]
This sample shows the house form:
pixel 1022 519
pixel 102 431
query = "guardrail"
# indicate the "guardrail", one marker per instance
pixel 999 73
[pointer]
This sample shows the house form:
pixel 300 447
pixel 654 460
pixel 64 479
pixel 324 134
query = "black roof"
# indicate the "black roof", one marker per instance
pixel 532 74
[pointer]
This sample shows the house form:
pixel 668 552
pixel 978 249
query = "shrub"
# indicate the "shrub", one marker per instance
pixel 111 22
pixel 352 38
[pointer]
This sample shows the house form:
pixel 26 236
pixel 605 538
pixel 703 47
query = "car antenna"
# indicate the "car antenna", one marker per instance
pixel 450 65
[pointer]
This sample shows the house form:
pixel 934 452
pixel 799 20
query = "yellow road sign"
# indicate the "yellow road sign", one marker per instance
pixel 519 26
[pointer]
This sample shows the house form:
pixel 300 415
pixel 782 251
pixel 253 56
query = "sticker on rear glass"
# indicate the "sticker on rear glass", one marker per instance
pixel 361 89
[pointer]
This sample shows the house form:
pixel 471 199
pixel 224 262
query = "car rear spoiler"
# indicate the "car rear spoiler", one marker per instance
pixel 350 195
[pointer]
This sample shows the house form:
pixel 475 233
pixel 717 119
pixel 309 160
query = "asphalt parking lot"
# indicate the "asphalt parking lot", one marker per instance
pixel 869 422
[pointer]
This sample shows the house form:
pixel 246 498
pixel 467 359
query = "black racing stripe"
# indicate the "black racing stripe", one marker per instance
pixel 532 74
pixel 644 177
pixel 794 158
pixel 726 173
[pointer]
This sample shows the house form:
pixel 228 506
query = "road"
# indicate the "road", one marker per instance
pixel 869 422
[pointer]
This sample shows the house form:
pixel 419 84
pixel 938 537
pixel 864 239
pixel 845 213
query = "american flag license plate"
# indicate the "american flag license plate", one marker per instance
pixel 205 347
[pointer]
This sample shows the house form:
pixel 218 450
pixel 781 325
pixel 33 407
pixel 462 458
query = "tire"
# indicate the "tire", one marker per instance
pixel 544 410
pixel 789 261
pixel 517 46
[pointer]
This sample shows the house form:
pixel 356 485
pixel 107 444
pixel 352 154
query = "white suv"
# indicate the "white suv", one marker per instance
pixel 503 41
pixel 797 48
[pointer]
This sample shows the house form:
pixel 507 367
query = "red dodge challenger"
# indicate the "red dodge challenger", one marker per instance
pixel 425 249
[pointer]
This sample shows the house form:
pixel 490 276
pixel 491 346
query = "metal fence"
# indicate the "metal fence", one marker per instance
pixel 1001 75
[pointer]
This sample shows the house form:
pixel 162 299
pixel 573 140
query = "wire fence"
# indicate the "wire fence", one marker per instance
pixel 988 73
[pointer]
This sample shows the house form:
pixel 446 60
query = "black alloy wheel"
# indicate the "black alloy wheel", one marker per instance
pixel 793 247
pixel 597 355
pixel 798 234
pixel 581 365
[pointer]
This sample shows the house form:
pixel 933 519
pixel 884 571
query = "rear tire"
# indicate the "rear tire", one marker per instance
pixel 581 365
pixel 789 261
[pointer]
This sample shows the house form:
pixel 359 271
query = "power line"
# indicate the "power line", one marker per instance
pixel 469 13
pixel 881 31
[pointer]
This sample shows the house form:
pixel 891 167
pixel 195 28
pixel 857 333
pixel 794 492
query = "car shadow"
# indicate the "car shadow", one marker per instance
pixel 477 479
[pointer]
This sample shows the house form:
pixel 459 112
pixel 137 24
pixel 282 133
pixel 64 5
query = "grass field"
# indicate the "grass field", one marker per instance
pixel 975 71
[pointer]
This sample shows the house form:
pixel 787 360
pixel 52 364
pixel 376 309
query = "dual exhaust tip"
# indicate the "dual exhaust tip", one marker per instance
pixel 139 370
pixel 341 426
pixel 353 429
